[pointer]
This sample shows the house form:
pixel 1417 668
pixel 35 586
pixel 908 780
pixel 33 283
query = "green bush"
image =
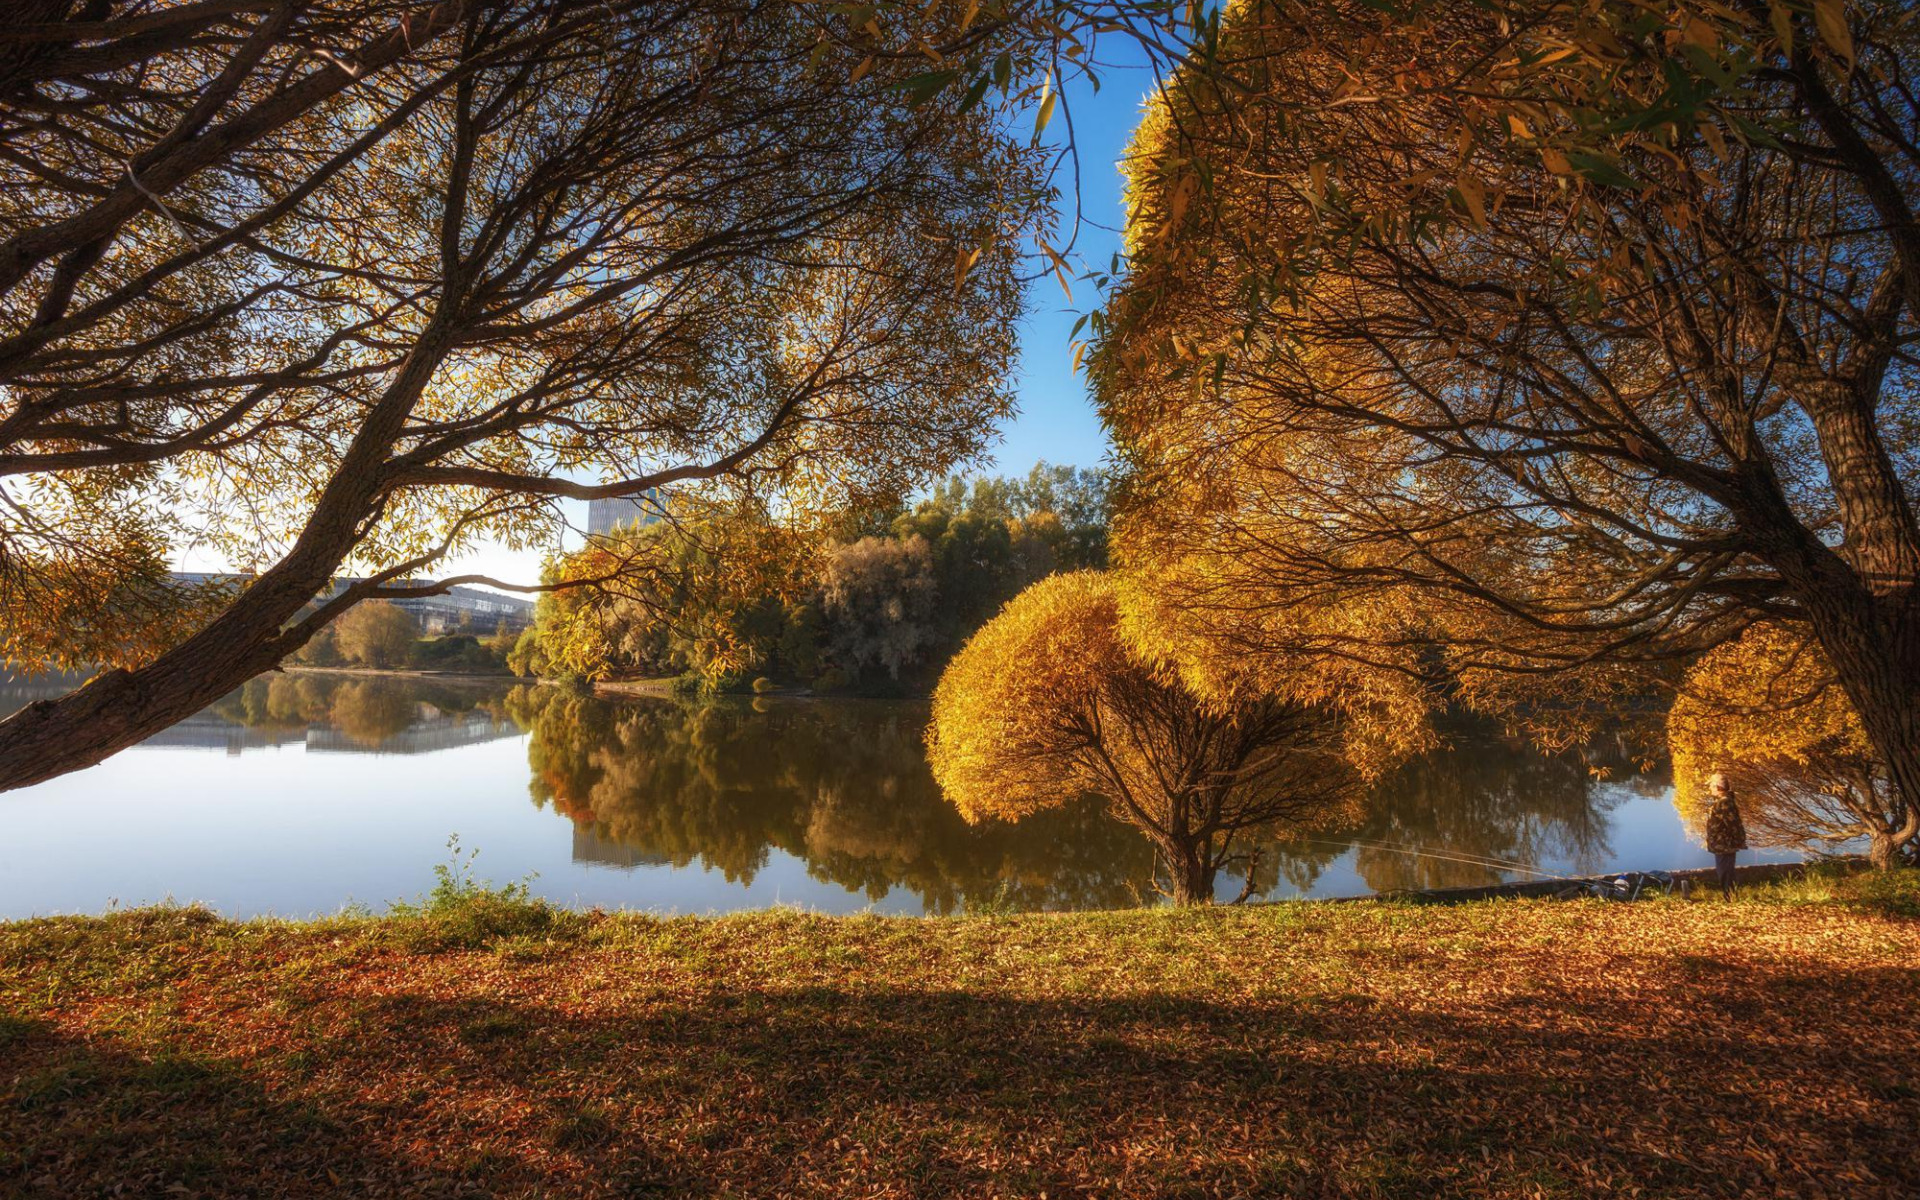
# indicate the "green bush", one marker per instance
pixel 466 913
pixel 457 652
pixel 688 686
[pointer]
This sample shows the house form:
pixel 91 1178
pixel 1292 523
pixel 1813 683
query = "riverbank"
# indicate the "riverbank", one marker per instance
pixel 486 1046
pixel 436 675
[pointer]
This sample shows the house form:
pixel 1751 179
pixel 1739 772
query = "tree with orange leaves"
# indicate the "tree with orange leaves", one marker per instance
pixel 1529 352
pixel 1049 702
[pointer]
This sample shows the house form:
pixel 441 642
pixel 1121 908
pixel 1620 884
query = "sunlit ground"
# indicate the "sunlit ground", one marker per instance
pixel 1763 1047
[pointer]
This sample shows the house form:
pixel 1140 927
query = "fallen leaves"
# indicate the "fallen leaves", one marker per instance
pixel 1510 1049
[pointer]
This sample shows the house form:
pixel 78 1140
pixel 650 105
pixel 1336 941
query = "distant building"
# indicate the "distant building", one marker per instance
pixel 460 608
pixel 623 512
pixel 468 608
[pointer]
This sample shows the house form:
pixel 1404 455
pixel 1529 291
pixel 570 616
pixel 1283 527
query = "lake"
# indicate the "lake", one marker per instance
pixel 305 792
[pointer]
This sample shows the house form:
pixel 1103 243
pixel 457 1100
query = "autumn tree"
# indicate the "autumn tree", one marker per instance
pixel 1571 340
pixel 880 596
pixel 351 285
pixel 1766 711
pixel 1048 702
pixel 375 634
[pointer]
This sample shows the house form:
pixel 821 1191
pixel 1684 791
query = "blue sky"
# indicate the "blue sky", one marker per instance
pixel 1056 420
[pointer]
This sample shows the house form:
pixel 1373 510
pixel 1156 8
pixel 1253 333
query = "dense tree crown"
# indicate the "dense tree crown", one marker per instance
pixel 360 282
pixel 1527 352
pixel 727 594
pixel 1048 702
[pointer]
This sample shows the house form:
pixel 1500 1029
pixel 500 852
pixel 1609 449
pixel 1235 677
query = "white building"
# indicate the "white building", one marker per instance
pixel 623 512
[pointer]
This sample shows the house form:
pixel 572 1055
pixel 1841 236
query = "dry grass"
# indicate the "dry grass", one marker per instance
pixel 485 1046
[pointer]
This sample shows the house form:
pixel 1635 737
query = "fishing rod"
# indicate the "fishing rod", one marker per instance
pixel 1464 860
pixel 1505 864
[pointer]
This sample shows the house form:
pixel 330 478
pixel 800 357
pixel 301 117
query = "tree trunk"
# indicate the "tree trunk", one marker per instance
pixel 120 708
pixel 1879 669
pixel 1880 850
pixel 1192 874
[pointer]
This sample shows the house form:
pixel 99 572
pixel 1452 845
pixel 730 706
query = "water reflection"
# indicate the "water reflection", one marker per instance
pixel 1451 819
pixel 837 794
pixel 843 786
pixel 323 712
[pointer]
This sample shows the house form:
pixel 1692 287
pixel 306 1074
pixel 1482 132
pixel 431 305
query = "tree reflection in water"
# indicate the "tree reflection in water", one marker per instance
pixel 370 712
pixel 1443 820
pixel 844 786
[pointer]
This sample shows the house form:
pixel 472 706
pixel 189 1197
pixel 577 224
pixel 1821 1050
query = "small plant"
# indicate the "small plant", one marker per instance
pixel 581 1128
pixel 1000 903
pixel 464 911
pixel 455 883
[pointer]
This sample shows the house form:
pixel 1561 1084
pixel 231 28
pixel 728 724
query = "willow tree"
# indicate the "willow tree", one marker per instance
pixel 1049 703
pixel 1572 340
pixel 1766 712
pixel 352 285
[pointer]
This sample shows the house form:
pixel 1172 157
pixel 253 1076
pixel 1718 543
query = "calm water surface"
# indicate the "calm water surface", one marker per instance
pixel 302 793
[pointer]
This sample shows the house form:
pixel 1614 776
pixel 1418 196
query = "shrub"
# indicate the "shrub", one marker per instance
pixel 463 912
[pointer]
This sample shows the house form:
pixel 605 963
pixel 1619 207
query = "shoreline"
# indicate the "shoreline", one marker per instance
pixel 412 673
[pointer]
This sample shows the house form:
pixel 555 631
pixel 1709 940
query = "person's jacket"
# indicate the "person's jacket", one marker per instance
pixel 1726 832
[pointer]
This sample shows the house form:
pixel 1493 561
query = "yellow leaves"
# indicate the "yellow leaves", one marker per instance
pixel 1701 33
pixel 1830 20
pixel 1781 18
pixel 1179 200
pixel 963 260
pixel 1059 273
pixel 1765 711
pixel 1001 699
pixel 1473 193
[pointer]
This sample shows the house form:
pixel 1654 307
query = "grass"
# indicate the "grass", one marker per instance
pixel 483 1043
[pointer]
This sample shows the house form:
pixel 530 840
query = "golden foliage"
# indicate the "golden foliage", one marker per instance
pixel 1049 702
pixel 995 738
pixel 1765 711
pixel 1441 344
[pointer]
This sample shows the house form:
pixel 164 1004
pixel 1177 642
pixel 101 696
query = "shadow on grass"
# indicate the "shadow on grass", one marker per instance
pixel 1706 1082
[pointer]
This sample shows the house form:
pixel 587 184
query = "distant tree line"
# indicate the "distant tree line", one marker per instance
pixel 383 635
pixel 728 599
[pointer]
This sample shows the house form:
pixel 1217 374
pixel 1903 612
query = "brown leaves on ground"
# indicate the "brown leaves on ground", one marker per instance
pixel 1663 1049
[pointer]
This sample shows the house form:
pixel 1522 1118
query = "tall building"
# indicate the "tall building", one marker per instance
pixel 630 512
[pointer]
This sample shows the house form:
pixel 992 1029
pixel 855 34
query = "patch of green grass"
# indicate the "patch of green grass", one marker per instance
pixel 54 1085
pixel 580 1128
pixel 1888 893
pixel 492 1027
pixel 15 1030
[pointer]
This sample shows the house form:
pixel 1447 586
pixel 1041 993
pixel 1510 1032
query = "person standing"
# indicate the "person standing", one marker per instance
pixel 1726 832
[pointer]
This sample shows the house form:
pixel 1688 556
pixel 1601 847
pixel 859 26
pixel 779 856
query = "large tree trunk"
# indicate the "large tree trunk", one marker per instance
pixel 1874 650
pixel 1192 874
pixel 121 708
